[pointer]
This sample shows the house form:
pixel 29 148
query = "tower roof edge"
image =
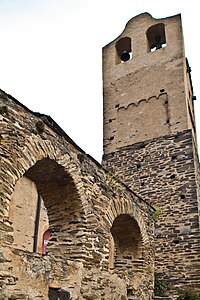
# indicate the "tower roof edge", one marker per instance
pixel 144 15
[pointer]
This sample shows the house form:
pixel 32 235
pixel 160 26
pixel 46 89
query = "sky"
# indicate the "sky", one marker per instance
pixel 51 56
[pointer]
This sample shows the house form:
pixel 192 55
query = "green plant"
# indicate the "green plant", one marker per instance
pixel 113 182
pixel 40 126
pixel 157 214
pixel 187 295
pixel 159 287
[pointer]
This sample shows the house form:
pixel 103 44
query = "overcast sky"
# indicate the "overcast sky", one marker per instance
pixel 51 56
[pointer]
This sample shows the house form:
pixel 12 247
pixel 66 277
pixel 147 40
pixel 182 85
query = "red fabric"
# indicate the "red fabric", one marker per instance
pixel 46 237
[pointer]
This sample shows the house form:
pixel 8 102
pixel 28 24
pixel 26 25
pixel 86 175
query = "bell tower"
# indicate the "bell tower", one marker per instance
pixel 147 86
pixel 150 140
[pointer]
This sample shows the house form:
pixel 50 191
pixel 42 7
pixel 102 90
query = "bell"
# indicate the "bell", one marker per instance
pixel 125 56
pixel 158 42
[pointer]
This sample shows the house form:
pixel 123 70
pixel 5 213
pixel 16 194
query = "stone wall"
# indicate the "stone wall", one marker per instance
pixel 150 94
pixel 82 201
pixel 165 172
pixel 23 210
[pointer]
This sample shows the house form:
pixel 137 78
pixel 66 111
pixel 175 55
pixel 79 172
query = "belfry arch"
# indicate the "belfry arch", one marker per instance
pixel 123 50
pixel 156 37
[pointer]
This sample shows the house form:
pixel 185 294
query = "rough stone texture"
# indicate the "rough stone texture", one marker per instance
pixel 149 95
pixel 83 202
pixel 150 141
pixel 101 231
pixel 162 170
pixel 23 211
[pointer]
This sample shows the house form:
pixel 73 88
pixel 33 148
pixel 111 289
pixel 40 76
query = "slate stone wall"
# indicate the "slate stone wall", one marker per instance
pixel 164 171
pixel 82 201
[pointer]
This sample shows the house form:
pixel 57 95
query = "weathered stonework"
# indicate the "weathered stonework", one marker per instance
pixel 162 170
pixel 150 140
pixel 73 229
pixel 83 203
pixel 150 95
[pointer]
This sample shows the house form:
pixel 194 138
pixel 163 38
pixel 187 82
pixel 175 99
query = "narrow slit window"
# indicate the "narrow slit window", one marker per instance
pixel 156 37
pixel 123 50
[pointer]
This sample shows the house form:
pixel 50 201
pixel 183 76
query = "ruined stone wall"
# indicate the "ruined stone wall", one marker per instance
pixel 165 172
pixel 82 202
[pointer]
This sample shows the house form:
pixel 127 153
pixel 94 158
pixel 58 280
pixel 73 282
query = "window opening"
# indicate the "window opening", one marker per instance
pixel 156 37
pixel 45 241
pixel 123 50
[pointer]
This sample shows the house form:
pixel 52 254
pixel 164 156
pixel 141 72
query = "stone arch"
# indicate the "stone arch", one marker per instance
pixel 127 238
pixel 63 205
pixel 121 206
pixel 35 149
pixel 123 50
pixel 127 243
pixel 130 249
pixel 31 160
pixel 156 37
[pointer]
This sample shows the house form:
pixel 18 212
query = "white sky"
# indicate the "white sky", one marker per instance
pixel 51 56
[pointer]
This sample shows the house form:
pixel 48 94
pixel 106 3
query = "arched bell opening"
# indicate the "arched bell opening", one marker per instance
pixel 46 198
pixel 126 243
pixel 123 50
pixel 156 37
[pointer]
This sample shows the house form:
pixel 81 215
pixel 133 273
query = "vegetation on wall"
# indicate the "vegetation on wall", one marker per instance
pixel 159 287
pixel 157 214
pixel 113 182
pixel 188 295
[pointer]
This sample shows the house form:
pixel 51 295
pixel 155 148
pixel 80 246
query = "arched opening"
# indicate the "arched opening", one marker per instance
pixel 156 37
pixel 127 242
pixel 60 210
pixel 45 241
pixel 123 50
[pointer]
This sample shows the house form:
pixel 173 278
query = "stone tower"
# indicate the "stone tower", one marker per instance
pixel 150 139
